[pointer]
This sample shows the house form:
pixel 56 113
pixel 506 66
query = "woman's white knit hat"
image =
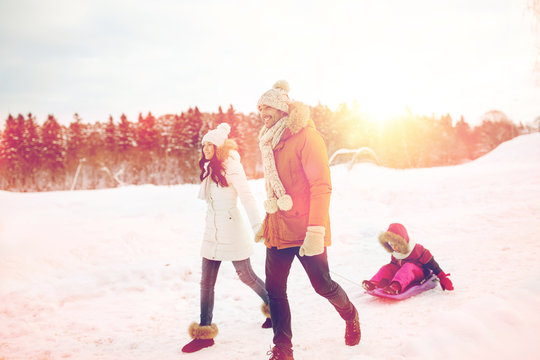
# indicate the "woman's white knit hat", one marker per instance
pixel 218 135
pixel 277 97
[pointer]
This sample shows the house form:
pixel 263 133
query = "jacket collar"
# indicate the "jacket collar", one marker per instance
pixel 298 119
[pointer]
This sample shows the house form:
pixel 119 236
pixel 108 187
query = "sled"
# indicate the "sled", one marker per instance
pixel 426 284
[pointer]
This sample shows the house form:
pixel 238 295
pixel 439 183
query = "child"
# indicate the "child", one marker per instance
pixel 410 262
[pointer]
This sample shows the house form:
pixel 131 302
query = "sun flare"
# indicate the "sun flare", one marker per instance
pixel 379 111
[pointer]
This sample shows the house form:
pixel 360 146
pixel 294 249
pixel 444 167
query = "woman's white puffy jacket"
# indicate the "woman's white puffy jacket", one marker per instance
pixel 227 236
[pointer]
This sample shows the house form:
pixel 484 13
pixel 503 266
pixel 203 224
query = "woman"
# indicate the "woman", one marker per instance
pixel 226 236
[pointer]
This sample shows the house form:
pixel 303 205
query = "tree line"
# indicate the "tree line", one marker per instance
pixel 165 150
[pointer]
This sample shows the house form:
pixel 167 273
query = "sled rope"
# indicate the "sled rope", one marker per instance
pixel 345 278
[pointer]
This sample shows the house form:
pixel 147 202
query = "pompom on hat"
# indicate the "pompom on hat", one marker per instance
pixel 277 97
pixel 218 135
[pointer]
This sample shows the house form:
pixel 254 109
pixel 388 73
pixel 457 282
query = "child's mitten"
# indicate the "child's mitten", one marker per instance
pixel 446 283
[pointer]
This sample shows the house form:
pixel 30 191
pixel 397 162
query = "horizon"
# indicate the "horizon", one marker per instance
pixel 351 107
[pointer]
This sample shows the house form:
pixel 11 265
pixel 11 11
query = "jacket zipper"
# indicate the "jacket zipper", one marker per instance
pixel 215 224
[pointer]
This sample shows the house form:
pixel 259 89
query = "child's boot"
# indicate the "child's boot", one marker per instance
pixel 369 285
pixel 393 289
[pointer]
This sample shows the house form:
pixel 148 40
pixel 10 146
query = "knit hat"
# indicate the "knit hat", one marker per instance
pixel 396 235
pixel 218 135
pixel 277 97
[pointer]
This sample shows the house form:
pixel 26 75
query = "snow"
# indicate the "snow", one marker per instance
pixel 114 274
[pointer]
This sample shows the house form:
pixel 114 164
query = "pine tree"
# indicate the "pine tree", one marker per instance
pixel 12 144
pixel 75 144
pixel 31 152
pixel 96 155
pixel 192 144
pixel 248 128
pixel 322 118
pixel 444 138
pixel 178 161
pixel 110 136
pixel 339 128
pixel 220 116
pixel 464 141
pixel 125 135
pixel 232 119
pixel 194 126
pixel 147 149
pixel 110 152
pixel 53 151
pixel 147 134
pixel 176 142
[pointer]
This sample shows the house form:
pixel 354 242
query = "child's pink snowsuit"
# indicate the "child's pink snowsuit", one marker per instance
pixel 406 265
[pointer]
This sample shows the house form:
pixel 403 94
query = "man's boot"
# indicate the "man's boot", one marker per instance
pixel 352 330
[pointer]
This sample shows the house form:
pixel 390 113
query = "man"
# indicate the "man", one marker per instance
pixel 298 188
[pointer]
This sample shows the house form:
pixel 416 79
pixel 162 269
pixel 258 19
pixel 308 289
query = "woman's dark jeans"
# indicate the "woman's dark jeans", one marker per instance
pixel 210 270
pixel 278 265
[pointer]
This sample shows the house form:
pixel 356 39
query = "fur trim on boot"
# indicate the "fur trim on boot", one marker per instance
pixel 266 312
pixel 203 337
pixel 197 331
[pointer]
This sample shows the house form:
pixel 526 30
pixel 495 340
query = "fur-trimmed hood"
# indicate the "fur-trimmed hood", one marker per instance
pixel 397 236
pixel 298 118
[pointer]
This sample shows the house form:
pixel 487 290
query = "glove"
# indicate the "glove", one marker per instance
pixel 313 242
pixel 258 230
pixel 446 283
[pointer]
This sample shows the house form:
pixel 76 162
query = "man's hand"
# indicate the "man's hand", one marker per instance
pixel 313 242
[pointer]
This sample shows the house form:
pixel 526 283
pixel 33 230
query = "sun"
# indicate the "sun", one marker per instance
pixel 379 111
pixel 378 100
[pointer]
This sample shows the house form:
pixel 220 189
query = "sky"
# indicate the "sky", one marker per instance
pixel 114 274
pixel 108 57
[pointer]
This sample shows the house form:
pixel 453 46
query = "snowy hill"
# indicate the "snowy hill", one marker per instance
pixel 114 274
pixel 522 149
